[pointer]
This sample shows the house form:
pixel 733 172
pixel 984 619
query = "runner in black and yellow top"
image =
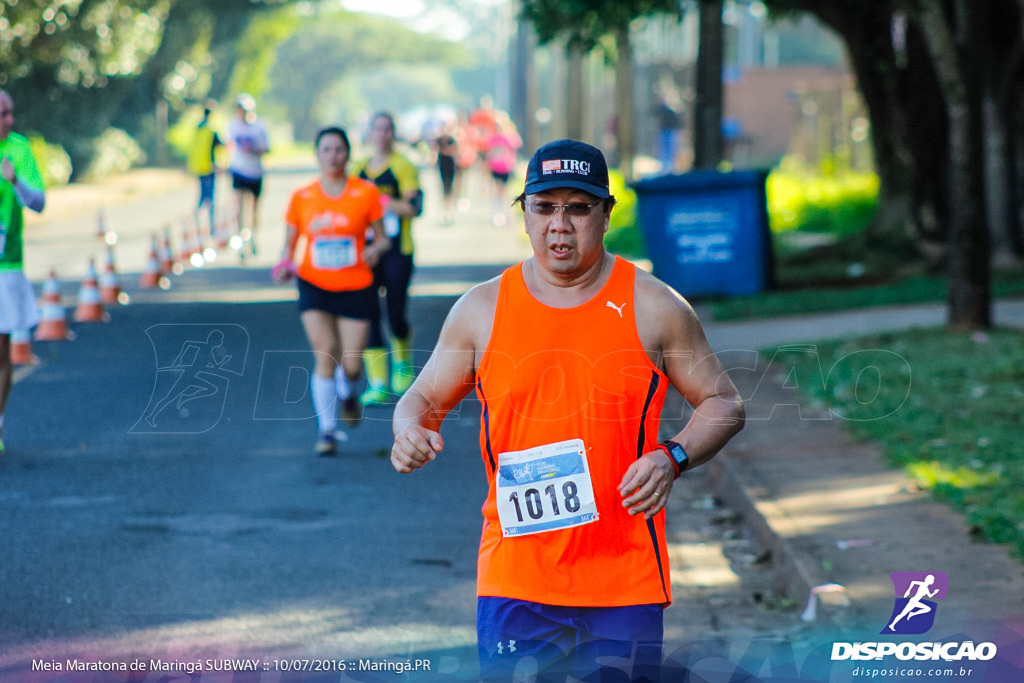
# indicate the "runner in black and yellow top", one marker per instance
pixel 397 178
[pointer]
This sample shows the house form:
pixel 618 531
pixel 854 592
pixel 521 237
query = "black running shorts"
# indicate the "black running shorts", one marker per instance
pixel 358 304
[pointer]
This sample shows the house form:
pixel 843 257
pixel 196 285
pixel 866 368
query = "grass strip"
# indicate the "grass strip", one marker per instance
pixel 946 406
pixel 912 290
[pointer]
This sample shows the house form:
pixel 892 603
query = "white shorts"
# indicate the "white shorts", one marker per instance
pixel 18 308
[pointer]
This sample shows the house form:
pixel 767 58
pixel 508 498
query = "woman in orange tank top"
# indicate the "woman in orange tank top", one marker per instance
pixel 325 246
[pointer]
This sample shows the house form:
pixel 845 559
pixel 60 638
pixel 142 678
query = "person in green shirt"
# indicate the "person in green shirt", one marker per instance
pixel 21 187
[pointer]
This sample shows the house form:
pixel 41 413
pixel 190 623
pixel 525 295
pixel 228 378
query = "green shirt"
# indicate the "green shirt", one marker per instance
pixel 15 148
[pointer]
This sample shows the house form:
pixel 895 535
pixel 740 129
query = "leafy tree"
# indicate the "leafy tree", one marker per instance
pixel 941 80
pixel 585 22
pixel 582 24
pixel 78 67
pixel 206 51
pixel 67 63
pixel 82 42
pixel 942 83
pixel 330 46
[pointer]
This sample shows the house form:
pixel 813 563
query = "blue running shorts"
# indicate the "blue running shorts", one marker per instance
pixel 206 187
pixel 516 637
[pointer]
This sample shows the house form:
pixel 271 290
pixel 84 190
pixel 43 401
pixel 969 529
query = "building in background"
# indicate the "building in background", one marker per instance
pixel 787 91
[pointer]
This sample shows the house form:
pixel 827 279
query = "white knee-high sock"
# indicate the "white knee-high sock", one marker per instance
pixel 346 386
pixel 325 402
pixel 341 383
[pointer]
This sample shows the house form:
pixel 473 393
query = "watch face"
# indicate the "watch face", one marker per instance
pixel 678 454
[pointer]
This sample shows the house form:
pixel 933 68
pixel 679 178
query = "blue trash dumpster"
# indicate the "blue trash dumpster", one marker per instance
pixel 707 232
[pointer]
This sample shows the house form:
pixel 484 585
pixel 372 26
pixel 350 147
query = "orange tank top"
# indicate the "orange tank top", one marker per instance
pixel 570 400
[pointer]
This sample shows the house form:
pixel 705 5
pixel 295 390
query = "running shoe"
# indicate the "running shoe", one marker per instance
pixel 375 396
pixel 326 444
pixel 352 410
pixel 402 377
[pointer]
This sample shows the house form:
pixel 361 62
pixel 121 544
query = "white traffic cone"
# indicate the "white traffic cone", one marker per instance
pixel 53 323
pixel 150 278
pixel 166 253
pixel 110 285
pixel 90 307
pixel 21 348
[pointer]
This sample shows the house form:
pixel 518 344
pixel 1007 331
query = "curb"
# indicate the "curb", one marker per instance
pixel 796 574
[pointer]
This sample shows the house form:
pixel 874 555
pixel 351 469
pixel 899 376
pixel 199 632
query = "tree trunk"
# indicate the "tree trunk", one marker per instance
pixel 894 158
pixel 575 93
pixel 531 135
pixel 707 145
pixel 908 124
pixel 1016 119
pixel 1005 58
pixel 955 42
pixel 999 181
pixel 556 128
pixel 625 139
pixel 521 61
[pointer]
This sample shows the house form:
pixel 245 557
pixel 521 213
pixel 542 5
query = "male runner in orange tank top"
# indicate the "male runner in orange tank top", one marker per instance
pixel 570 354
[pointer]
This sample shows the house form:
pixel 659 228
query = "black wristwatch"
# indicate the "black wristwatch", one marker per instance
pixel 677 454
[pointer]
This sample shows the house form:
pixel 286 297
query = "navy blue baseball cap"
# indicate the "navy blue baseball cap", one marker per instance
pixel 568 163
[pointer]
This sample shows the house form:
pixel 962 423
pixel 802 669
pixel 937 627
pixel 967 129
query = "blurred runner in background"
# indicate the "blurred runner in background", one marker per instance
pixel 501 162
pixel 398 181
pixel 467 161
pixel 21 186
pixel 447 154
pixel 202 163
pixel 325 246
pixel 247 143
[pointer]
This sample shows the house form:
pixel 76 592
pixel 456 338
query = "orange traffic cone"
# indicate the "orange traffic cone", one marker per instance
pixel 187 243
pixel 90 305
pixel 195 245
pixel 222 231
pixel 53 324
pixel 110 286
pixel 166 253
pixel 103 230
pixel 101 223
pixel 150 278
pixel 21 348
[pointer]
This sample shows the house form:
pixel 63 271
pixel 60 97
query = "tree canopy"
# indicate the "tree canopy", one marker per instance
pixel 941 79
pixel 331 46
pixel 942 84
pixel 79 67
pixel 584 22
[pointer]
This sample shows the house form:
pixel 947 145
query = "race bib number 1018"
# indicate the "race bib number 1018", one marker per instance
pixel 544 489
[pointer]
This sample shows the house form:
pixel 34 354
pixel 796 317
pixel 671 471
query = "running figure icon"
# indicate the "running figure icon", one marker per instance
pixel 915 606
pixel 191 383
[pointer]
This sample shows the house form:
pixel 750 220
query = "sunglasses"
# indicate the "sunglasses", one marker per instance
pixel 577 209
